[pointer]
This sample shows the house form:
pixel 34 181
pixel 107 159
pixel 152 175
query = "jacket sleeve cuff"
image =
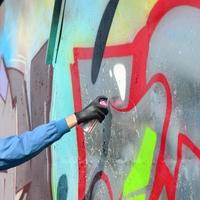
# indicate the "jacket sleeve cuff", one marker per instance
pixel 62 126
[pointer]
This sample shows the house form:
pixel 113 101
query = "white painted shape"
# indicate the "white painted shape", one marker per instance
pixel 120 76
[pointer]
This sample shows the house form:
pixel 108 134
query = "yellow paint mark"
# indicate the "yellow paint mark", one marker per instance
pixel 130 17
pixel 149 5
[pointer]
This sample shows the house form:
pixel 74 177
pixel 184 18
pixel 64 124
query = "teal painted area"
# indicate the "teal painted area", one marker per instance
pixel 54 31
pixel 64 151
pixel 79 30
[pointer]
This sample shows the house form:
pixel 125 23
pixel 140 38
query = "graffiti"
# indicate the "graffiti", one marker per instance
pixel 139 175
pixel 143 55
pixel 139 87
pixel 62 20
pixel 101 176
pixel 163 176
pixel 62 188
pixel 54 29
pixel 25 92
pixel 86 54
pixel 102 36
pixel 16 99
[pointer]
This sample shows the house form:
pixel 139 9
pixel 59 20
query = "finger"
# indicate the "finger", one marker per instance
pixel 103 109
pixel 101 115
pixel 100 111
pixel 98 117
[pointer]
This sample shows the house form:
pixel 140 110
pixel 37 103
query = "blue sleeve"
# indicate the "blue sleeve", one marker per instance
pixel 15 150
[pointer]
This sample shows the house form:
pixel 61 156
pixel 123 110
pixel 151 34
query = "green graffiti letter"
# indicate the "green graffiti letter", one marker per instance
pixel 139 175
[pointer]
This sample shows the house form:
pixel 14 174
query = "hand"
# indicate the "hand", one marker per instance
pixel 93 111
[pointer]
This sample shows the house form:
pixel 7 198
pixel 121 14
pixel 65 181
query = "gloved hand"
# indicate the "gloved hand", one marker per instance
pixel 93 111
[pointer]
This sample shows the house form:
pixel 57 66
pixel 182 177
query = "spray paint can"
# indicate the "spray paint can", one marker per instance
pixel 91 125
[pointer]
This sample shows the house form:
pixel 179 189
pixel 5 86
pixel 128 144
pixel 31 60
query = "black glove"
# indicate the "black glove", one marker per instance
pixel 93 111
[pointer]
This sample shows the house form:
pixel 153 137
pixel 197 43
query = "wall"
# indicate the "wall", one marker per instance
pixel 144 56
pixel 25 90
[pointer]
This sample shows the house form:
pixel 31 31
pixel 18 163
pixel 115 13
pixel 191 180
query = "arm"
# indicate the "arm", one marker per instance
pixel 15 150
